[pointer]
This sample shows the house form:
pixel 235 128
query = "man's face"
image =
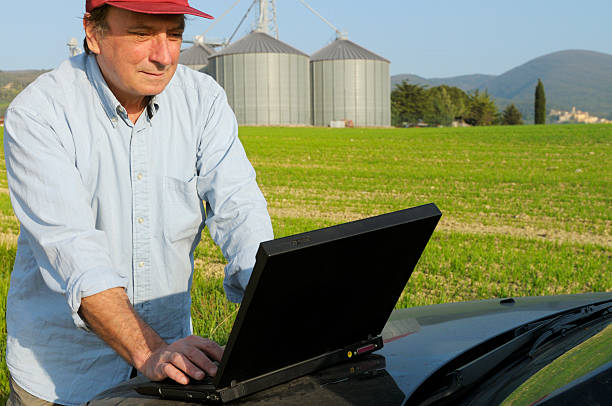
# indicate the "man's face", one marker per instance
pixel 138 54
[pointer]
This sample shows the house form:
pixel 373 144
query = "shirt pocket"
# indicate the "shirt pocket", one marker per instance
pixel 182 210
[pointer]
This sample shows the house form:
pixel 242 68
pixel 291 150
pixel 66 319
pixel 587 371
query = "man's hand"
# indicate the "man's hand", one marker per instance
pixel 111 316
pixel 192 356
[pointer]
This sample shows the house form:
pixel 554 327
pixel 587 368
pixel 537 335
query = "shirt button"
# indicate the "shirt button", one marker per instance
pixel 140 220
pixel 139 176
pixel 141 264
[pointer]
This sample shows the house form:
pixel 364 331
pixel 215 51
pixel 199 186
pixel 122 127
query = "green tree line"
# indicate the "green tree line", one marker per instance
pixel 441 105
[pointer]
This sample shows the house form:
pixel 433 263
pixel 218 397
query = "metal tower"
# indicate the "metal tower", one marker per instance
pixel 73 47
pixel 267 22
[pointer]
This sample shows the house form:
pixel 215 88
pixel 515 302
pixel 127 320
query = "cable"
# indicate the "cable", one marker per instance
pixel 222 16
pixel 241 21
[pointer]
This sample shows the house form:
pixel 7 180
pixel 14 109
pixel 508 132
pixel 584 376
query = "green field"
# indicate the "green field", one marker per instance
pixel 527 210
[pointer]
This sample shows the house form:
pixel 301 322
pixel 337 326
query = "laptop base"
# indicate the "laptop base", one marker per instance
pixel 206 393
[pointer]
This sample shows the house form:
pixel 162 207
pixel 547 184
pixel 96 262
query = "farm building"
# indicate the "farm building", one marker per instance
pixel 267 81
pixel 197 56
pixel 350 83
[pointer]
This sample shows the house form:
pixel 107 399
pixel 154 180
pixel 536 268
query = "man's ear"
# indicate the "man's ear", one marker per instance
pixel 91 35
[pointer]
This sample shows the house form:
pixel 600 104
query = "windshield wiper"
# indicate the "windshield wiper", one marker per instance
pixel 530 336
pixel 570 321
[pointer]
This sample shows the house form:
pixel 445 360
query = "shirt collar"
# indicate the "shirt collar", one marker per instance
pixel 111 105
pixel 153 106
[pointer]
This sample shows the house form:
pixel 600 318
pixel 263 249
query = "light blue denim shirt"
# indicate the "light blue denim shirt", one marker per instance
pixel 107 203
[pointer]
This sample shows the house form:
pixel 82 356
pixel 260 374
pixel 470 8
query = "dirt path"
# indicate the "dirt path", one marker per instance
pixel 528 232
pixel 448 224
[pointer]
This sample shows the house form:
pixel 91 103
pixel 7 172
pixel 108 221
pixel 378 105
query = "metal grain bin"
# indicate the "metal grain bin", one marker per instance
pixel 267 81
pixel 197 56
pixel 350 83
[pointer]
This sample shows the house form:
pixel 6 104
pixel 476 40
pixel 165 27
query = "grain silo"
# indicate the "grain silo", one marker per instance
pixel 350 83
pixel 197 56
pixel 267 81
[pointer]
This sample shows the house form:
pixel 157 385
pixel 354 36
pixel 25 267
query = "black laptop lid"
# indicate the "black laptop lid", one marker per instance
pixel 323 290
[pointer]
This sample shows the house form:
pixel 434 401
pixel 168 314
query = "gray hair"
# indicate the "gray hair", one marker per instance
pixel 97 17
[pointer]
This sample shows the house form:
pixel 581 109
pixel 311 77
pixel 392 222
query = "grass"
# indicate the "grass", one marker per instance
pixel 492 176
pixel 526 210
pixel 7 256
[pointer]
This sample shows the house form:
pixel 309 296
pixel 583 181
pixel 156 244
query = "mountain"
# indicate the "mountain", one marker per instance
pixel 13 82
pixel 412 79
pixel 571 78
pixel 465 82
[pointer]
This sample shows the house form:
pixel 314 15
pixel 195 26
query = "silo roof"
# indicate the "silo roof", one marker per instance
pixel 344 49
pixel 198 54
pixel 259 42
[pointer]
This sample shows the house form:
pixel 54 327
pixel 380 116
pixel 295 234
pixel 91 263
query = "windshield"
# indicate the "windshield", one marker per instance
pixel 577 362
pixel 517 365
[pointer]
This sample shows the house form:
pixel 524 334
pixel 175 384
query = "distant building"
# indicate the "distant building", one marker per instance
pixel 266 81
pixel 352 83
pixel 460 123
pixel 197 56
pixel 575 116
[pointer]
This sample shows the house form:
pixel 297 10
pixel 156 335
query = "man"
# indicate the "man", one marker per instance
pixel 109 159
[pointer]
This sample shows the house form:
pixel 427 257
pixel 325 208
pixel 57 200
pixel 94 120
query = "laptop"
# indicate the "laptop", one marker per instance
pixel 314 299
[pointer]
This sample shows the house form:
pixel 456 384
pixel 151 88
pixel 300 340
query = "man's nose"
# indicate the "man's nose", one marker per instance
pixel 161 50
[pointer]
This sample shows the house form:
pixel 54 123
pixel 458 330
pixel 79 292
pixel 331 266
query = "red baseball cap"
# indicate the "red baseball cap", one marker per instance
pixel 149 6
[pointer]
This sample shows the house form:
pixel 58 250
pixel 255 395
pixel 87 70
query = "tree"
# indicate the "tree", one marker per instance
pixel 540 104
pixel 445 104
pixel 408 103
pixel 440 109
pixel 512 116
pixel 459 98
pixel 481 109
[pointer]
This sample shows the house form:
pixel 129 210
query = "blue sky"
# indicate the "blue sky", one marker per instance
pixel 430 38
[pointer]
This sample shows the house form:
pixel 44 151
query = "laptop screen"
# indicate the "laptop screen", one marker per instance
pixel 324 290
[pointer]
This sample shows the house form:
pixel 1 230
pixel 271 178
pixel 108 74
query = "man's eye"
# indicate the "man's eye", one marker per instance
pixel 176 35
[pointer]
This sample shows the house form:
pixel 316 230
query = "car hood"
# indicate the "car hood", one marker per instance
pixel 418 341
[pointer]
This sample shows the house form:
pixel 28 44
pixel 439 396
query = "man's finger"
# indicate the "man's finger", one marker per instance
pixel 182 362
pixel 198 357
pixel 175 374
pixel 209 347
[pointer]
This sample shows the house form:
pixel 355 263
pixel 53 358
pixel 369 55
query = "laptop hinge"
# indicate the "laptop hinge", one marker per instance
pixel 290 372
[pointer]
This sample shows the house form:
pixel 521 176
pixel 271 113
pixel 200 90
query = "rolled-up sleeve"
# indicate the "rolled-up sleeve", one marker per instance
pixel 236 210
pixel 53 206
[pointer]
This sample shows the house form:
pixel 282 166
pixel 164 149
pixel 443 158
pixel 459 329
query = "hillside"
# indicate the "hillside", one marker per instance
pixel 13 82
pixel 464 82
pixel 571 78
